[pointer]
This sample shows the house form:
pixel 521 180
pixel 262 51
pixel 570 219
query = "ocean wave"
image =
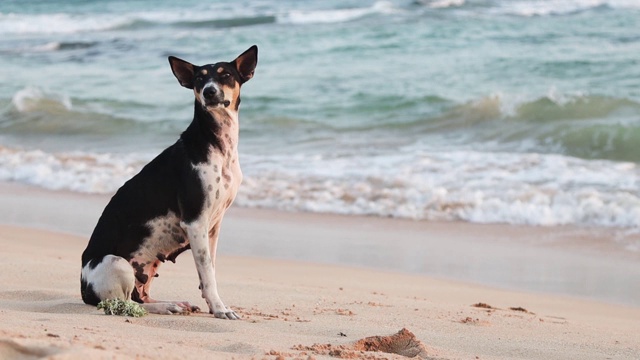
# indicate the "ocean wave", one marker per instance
pixel 64 23
pixel 33 110
pixel 33 99
pixel 58 23
pixel 75 171
pixel 551 7
pixel 213 17
pixel 50 46
pixel 205 23
pixel 586 126
pixel 441 4
pixel 471 186
pixel 67 23
pixel 479 187
pixel 335 15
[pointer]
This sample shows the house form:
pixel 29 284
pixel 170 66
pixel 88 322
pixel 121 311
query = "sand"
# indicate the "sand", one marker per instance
pixel 327 286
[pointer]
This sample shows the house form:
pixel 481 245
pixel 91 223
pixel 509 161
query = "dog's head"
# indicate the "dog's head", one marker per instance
pixel 216 85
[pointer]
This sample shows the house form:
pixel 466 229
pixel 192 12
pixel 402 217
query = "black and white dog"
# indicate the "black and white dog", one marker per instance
pixel 177 201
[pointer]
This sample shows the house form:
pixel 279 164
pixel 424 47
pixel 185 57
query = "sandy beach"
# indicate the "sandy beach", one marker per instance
pixel 313 285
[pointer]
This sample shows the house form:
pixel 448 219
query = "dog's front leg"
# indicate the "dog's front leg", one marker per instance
pixel 198 235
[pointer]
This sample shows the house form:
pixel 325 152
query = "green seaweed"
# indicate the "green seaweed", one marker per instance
pixel 122 308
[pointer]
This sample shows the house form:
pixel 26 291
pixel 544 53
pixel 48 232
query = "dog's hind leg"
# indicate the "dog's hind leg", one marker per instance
pixel 108 278
pixel 112 277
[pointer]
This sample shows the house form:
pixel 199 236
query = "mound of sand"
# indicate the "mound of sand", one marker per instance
pixel 403 343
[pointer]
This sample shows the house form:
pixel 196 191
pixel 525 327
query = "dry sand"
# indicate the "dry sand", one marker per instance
pixel 297 309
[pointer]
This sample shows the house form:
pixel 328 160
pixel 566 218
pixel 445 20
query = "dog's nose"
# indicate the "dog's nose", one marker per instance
pixel 209 92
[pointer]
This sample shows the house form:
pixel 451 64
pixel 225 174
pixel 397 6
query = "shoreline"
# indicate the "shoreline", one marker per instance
pixel 567 261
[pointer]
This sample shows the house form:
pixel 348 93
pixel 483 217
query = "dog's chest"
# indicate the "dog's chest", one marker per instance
pixel 221 177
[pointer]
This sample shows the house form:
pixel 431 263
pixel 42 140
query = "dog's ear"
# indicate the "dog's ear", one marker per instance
pixel 183 71
pixel 246 63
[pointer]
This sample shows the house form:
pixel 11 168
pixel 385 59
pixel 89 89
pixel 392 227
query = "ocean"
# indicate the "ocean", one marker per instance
pixel 486 111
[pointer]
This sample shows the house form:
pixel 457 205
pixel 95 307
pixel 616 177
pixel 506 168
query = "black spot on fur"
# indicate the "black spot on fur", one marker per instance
pixel 139 272
pixel 135 296
pixel 94 262
pixel 217 194
pixel 191 195
pixel 161 257
pixel 88 294
pixel 210 187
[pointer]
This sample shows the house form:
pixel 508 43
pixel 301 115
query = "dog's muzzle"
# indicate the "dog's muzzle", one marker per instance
pixel 214 97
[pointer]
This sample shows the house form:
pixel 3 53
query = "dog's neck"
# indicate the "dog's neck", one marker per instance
pixel 214 129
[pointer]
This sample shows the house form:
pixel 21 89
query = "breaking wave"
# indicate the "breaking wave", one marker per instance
pixel 479 187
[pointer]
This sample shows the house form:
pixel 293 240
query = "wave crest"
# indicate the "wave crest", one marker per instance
pixel 586 126
pixel 32 99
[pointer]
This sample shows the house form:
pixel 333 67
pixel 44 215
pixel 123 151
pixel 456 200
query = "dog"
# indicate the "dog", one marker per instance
pixel 177 201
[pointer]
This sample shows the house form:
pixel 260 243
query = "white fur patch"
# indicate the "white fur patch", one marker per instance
pixel 112 278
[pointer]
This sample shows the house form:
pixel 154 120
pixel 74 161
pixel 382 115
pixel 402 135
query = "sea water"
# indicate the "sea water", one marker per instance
pixel 487 111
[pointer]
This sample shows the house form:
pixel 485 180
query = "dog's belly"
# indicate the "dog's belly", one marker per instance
pixel 166 241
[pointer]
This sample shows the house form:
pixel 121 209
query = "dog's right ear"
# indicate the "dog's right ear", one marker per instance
pixel 183 71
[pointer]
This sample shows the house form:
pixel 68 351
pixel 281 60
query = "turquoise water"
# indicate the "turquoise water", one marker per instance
pixel 524 112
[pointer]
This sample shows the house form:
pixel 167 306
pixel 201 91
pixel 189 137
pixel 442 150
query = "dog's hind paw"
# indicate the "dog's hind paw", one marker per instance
pixel 166 309
pixel 229 315
pixel 188 307
pixel 173 309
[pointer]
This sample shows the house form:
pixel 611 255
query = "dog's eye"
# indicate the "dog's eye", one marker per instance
pixel 224 75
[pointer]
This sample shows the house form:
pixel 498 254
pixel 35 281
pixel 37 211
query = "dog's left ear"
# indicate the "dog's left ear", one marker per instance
pixel 183 71
pixel 246 63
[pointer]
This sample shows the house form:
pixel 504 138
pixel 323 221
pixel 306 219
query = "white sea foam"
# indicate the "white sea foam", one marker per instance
pixel 442 4
pixel 471 186
pixel 81 172
pixel 60 23
pixel 478 187
pixel 551 7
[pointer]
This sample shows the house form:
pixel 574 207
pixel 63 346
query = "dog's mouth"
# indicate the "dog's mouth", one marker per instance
pixel 213 103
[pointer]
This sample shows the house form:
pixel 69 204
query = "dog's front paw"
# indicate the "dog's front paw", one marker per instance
pixel 228 315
